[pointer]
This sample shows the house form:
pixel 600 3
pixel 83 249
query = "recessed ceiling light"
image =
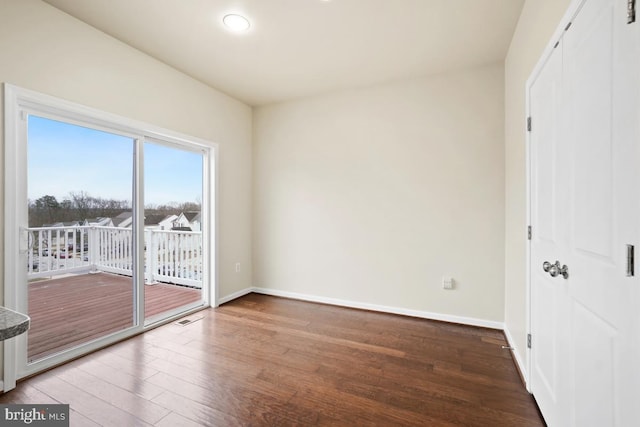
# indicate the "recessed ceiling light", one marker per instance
pixel 236 23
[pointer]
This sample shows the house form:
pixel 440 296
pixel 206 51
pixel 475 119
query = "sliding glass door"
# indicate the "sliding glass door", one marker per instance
pixel 80 283
pixel 108 228
pixel 172 229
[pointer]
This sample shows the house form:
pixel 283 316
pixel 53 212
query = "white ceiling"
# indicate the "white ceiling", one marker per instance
pixel 297 48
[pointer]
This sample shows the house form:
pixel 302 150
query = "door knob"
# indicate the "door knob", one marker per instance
pixel 564 271
pixel 555 269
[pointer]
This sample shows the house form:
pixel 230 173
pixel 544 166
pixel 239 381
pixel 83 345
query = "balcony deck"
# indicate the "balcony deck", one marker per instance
pixel 68 311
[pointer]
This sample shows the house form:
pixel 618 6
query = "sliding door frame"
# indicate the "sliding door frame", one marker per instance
pixel 19 103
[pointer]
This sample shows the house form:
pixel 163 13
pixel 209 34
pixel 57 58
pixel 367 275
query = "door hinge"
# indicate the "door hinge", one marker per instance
pixel 528 340
pixel 529 123
pixel 529 233
pixel 631 11
pixel 631 261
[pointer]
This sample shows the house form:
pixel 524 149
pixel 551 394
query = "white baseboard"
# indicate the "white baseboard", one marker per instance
pixel 235 295
pixel 516 356
pixel 382 308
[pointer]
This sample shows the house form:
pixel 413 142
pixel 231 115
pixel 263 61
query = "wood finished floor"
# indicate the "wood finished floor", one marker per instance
pixel 69 311
pixel 266 361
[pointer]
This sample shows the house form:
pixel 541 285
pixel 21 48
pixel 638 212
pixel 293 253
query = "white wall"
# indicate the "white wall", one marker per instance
pixel 537 23
pixel 373 195
pixel 48 51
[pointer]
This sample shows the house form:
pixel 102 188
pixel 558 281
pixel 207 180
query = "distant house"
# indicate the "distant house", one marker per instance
pixel 98 222
pixel 125 219
pixel 159 222
pixel 181 221
pixel 187 221
pixel 196 222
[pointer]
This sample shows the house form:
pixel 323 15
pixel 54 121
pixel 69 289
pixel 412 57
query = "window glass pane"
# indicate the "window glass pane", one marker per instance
pixel 173 228
pixel 80 258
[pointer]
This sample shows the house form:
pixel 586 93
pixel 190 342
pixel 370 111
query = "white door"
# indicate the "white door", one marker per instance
pixel 549 209
pixel 601 98
pixel 584 328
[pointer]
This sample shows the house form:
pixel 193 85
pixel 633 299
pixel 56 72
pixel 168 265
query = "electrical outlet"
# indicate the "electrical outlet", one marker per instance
pixel 237 267
pixel 447 283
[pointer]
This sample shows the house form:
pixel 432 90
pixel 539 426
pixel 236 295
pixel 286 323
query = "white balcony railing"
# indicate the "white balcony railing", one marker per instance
pixel 170 256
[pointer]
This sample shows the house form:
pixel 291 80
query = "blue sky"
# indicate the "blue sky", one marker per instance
pixel 65 158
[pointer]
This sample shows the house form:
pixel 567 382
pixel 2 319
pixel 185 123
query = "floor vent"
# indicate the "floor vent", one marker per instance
pixel 188 320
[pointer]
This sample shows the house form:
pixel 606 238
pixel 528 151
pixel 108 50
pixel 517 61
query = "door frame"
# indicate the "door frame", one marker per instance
pixel 18 103
pixel 572 11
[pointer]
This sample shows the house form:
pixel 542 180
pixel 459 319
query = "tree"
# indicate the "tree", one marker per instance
pixel 78 206
pixel 81 203
pixel 47 207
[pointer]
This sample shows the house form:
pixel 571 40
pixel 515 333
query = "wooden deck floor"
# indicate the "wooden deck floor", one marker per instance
pixel 68 311
pixel 266 361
